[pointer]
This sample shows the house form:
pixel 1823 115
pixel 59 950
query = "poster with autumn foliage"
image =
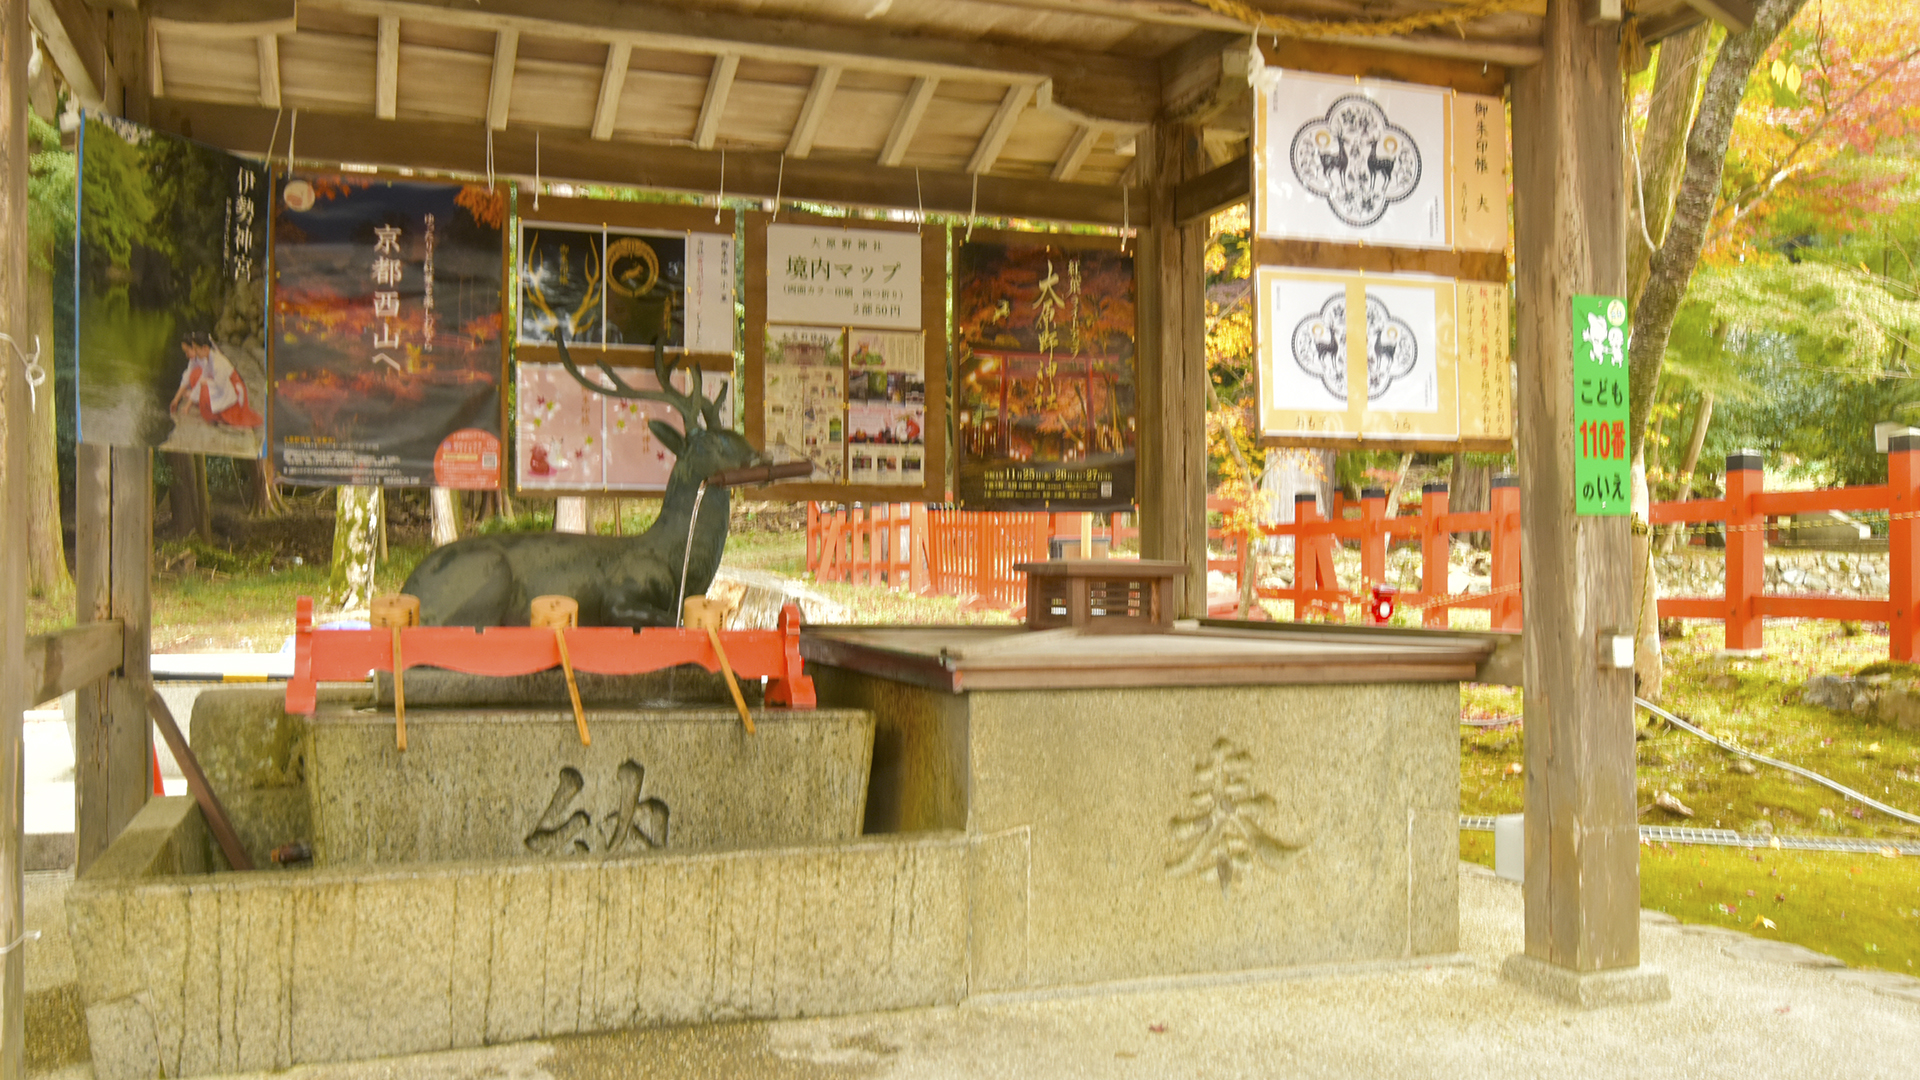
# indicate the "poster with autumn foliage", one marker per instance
pixel 1045 393
pixel 387 353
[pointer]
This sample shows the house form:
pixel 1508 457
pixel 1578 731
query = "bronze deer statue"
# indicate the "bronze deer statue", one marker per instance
pixel 631 581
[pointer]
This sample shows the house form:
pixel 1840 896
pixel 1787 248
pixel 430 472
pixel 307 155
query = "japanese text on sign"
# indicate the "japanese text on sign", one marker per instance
pixel 854 277
pixel 1600 395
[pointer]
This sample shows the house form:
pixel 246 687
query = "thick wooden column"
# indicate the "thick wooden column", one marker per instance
pixel 113 752
pixel 16 43
pixel 1582 852
pixel 1171 278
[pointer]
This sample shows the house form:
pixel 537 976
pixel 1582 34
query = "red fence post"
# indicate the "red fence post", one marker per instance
pixel 1903 546
pixel 1434 542
pixel 1746 549
pixel 919 550
pixel 1373 537
pixel 1504 499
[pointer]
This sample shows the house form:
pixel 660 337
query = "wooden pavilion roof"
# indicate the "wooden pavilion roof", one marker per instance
pixel 855 95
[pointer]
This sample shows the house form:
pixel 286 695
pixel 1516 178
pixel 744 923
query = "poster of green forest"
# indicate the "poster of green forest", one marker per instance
pixel 170 292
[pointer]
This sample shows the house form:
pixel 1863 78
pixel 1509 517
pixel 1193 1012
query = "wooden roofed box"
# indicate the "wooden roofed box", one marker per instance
pixel 1101 596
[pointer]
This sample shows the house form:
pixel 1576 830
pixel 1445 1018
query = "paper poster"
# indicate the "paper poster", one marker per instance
pixel 806 397
pixel 620 287
pixel 569 438
pixel 1479 173
pixel 1045 390
pixel 169 292
pixel 1602 482
pixel 827 275
pixel 387 318
pixel 1352 160
pixel 1351 354
pixel 886 408
pixel 1486 376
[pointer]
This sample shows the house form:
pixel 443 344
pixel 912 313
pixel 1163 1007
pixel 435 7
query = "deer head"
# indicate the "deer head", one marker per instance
pixel 705 445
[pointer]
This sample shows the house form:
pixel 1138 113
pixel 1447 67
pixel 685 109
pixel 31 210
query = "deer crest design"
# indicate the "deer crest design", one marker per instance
pixel 631 581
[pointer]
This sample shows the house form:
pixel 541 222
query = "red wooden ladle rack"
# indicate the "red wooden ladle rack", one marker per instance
pixel 348 655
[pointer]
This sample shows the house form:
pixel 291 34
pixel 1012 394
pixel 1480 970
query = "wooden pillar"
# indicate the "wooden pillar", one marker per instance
pixel 1170 276
pixel 113 752
pixel 16 43
pixel 1582 885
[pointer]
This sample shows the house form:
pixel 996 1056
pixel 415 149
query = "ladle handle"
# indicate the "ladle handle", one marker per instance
pixel 760 474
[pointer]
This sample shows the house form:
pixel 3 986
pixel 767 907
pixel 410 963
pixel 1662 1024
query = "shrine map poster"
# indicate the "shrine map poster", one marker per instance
pixel 1377 162
pixel 1045 381
pixel 387 310
pixel 1381 356
pixel 170 293
pixel 568 438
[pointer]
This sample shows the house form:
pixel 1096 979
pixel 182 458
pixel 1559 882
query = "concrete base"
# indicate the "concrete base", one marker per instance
pixel 1587 989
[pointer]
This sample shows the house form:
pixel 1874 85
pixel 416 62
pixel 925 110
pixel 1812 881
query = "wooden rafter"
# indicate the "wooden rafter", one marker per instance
pixel 268 48
pixel 908 120
pixel 1076 153
pixel 506 52
pixel 1101 85
pixel 70 34
pixel 995 138
pixel 386 68
pixel 719 87
pixel 813 110
pixel 156 81
pixel 613 80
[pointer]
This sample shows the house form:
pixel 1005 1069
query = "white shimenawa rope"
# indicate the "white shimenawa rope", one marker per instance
pixel 36 375
pixel 25 936
pixel 973 208
pixel 779 185
pixel 536 170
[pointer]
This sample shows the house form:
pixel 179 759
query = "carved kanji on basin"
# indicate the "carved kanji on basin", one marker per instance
pixel 1223 833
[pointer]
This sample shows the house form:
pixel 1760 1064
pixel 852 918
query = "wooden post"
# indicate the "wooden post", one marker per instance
pixel 1373 537
pixel 1582 888
pixel 919 551
pixel 1746 550
pixel 1434 545
pixel 1903 546
pixel 1503 499
pixel 16 44
pixel 1170 278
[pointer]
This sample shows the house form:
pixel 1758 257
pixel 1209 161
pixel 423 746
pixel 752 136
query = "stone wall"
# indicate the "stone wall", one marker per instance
pixel 189 975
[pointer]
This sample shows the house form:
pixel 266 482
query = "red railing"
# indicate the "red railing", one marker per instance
pixel 971 554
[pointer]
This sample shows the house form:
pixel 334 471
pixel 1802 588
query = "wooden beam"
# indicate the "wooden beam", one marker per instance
pixel 1582 888
pixel 1735 15
pixel 506 52
pixel 223 18
pixel 269 49
pixel 156 80
pixel 573 156
pixel 1078 147
pixel 386 68
pixel 907 121
pixel 1099 84
pixel 1199 198
pixel 813 110
pixel 73 38
pixel 16 49
pixel 719 86
pixel 1170 341
pixel 999 129
pixel 613 80
pixel 69 659
pixel 1371 62
pixel 1601 12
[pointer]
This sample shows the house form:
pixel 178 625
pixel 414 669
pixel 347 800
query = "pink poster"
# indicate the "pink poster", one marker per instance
pixel 571 438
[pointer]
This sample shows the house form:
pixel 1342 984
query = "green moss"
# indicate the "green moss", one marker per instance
pixel 1895 668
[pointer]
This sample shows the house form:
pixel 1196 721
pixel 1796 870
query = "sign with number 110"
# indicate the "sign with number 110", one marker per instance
pixel 1601 480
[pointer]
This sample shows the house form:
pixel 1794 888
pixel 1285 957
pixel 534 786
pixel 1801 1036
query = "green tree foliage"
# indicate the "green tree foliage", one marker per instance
pixel 50 182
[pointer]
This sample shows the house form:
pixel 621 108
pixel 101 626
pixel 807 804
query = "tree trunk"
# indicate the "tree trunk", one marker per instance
pixel 1692 461
pixel 1467 491
pixel 570 514
pixel 1676 86
pixel 446 516
pixel 192 513
pixel 263 496
pixel 356 542
pixel 47 576
pixel 1671 268
pixel 1649 665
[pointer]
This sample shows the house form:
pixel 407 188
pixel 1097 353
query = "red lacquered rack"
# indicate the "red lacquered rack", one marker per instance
pixel 348 655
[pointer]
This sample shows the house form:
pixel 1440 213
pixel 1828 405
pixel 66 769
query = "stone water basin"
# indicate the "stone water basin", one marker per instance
pixel 500 881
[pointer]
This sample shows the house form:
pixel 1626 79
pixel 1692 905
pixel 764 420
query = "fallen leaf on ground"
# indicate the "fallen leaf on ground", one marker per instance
pixel 1759 921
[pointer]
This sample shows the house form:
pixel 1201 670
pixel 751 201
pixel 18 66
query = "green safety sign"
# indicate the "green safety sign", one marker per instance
pixel 1602 482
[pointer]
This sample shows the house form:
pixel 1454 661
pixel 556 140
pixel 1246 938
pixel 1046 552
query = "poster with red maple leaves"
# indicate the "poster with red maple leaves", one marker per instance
pixel 1044 394
pixel 387 354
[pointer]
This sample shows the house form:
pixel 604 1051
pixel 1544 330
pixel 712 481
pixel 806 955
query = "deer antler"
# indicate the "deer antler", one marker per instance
pixel 691 406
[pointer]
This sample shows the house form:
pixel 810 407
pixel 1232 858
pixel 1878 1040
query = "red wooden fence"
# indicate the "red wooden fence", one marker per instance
pixel 971 554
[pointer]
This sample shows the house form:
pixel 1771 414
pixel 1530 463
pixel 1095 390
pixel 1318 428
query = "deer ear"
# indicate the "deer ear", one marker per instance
pixel 668 437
